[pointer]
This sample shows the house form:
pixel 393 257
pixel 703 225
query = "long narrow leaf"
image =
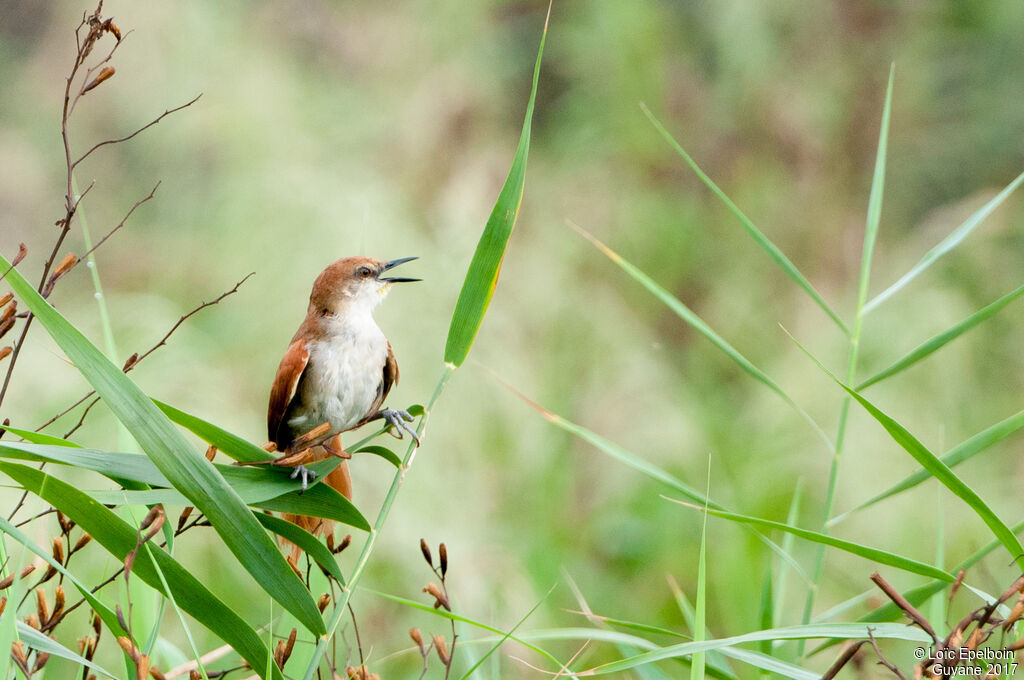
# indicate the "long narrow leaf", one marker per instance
pixel 873 554
pixel 874 203
pixel 947 244
pixel 119 538
pixel 763 241
pixel 690 317
pixel 930 462
pixel 186 468
pixel 836 631
pixel 943 338
pixel 42 643
pixel 231 444
pixel 309 543
pixel 482 276
pixel 958 454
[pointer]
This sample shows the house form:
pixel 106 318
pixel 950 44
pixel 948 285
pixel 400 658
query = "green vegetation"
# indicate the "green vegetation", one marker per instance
pixel 696 419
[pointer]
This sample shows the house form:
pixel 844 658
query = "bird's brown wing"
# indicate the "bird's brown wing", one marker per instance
pixel 286 382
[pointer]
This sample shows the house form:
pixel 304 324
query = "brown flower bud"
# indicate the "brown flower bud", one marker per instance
pixel 27 570
pixel 42 608
pixel 184 516
pixel 194 675
pixel 97 624
pixel 18 652
pixel 442 649
pixel 57 549
pixel 22 252
pixel 33 621
pixel 129 647
pixel 5 352
pixel 105 74
pixel 417 637
pixel 6 326
pixel 9 310
pixel 5 298
pixel 62 268
pixel 3 605
pixel 129 364
pixel 440 599
pixel 425 549
pixel 82 541
pixel 211 452
pixel 155 673
pixel 66 525
pixel 41 659
pixel 142 667
pixel 322 603
pixel 443 551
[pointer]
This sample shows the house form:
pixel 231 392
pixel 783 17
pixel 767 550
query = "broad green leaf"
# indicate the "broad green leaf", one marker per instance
pixel 385 453
pixel 42 643
pixel 690 317
pixel 942 339
pixel 232 445
pixel 186 468
pixel 305 540
pixel 482 276
pixel 947 244
pixel 763 241
pixel 119 538
pixel 958 454
pixel 873 554
pixel 266 487
pixel 836 631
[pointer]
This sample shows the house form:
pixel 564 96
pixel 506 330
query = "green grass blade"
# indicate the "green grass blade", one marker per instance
pixel 231 444
pixel 835 631
pixel 958 454
pixel 930 462
pixel 305 540
pixel 873 554
pixel 700 608
pixel 763 241
pixel 119 538
pixel 444 613
pixel 385 453
pixel 482 276
pixel 504 638
pixel 42 643
pixel 690 317
pixel 947 244
pixel 185 467
pixel 38 437
pixel 782 580
pixel 943 338
pixel 875 201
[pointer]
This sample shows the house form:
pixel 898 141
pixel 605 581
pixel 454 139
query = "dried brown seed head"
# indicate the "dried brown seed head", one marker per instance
pixel 425 549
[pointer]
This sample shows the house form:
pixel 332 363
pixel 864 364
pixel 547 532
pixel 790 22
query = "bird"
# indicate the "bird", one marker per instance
pixel 335 375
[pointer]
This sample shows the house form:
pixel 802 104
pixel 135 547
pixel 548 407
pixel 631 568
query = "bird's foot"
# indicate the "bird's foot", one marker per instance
pixel 304 473
pixel 397 420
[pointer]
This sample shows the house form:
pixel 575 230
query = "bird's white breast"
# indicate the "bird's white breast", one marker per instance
pixel 343 374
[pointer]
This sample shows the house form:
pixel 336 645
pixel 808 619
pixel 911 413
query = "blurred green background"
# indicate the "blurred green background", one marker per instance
pixel 332 129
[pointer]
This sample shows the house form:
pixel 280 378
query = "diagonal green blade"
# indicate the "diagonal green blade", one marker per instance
pixel 482 276
pixel 187 469
pixel 943 338
pixel 947 244
pixel 763 241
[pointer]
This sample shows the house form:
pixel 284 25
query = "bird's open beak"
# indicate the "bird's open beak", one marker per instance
pixel 391 265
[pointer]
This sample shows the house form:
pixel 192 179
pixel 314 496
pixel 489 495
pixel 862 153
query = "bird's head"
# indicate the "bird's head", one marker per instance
pixel 354 283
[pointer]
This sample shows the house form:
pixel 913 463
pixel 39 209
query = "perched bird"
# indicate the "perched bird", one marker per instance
pixel 335 374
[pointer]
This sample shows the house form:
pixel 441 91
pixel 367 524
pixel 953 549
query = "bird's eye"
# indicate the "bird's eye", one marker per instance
pixel 365 272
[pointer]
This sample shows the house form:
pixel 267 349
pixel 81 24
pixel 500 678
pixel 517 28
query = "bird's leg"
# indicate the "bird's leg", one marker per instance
pixel 397 420
pixel 305 474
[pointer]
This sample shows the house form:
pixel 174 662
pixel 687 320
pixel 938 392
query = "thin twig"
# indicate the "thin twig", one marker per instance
pixel 907 608
pixel 141 129
pixel 121 223
pixel 881 658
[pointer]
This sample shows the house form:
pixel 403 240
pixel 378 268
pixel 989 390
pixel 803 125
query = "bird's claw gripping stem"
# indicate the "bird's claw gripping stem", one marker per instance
pixel 397 420
pixel 305 474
